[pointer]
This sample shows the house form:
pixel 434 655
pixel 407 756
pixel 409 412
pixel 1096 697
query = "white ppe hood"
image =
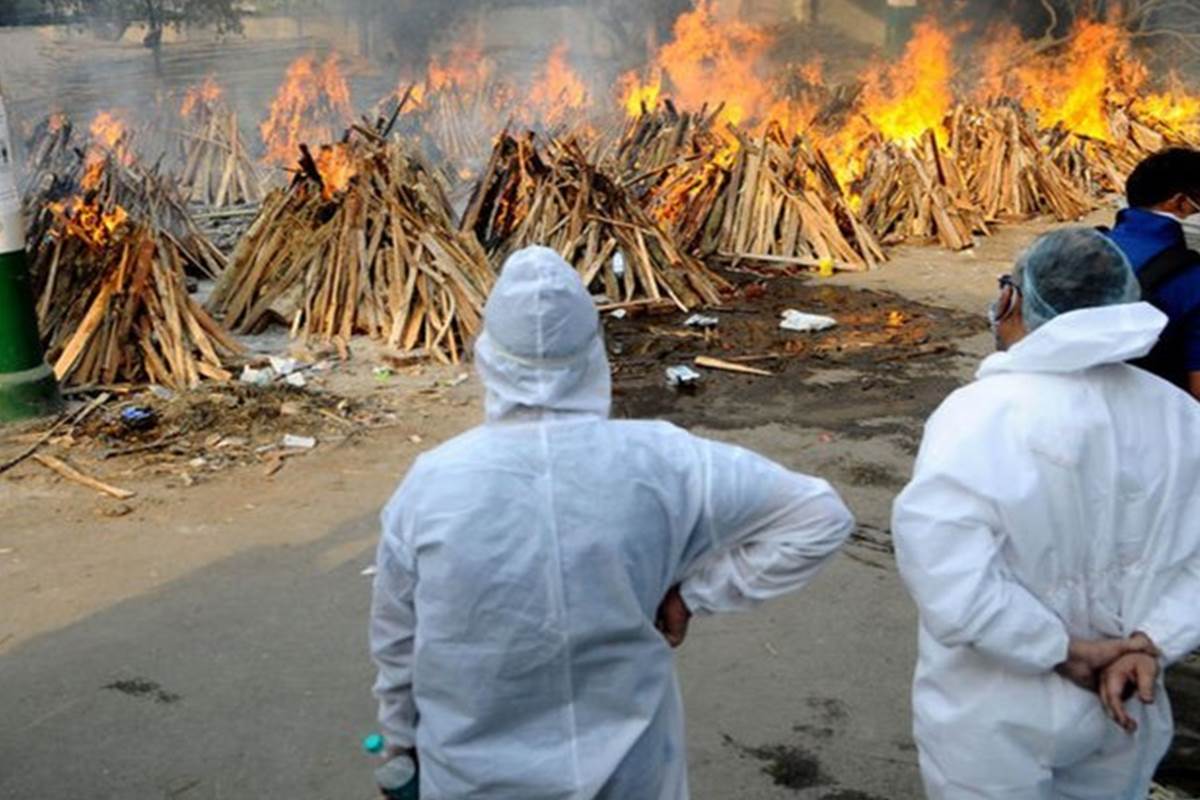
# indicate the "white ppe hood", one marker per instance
pixel 1057 496
pixel 522 564
pixel 542 350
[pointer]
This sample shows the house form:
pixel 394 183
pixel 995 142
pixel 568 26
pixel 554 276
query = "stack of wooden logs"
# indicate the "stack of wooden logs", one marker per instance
pixel 217 170
pixel 50 154
pixel 113 303
pixel 918 193
pixel 1008 172
pixel 675 165
pixel 549 193
pixel 783 203
pixel 380 257
pixel 112 178
pixel 454 124
pixel 111 245
pixel 153 198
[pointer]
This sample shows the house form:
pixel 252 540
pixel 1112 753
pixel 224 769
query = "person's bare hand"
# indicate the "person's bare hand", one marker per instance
pixel 1087 658
pixel 673 618
pixel 1134 673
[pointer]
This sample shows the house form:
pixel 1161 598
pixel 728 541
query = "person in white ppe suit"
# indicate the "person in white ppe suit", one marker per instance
pixel 1049 537
pixel 523 565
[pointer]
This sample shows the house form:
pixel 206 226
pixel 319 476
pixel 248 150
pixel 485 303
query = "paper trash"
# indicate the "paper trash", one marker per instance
pixel 800 322
pixel 682 376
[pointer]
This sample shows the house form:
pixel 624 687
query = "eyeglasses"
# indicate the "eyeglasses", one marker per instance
pixel 1010 298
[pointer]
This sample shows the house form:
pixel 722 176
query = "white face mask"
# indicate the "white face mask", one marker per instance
pixel 1191 231
pixel 1191 227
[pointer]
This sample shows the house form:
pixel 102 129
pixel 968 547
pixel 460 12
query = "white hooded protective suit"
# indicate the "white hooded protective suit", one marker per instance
pixel 522 564
pixel 1056 496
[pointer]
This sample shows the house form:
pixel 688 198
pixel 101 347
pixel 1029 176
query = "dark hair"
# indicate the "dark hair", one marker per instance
pixel 1164 175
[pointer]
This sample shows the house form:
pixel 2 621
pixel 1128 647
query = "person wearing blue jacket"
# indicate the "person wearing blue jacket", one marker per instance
pixel 1160 235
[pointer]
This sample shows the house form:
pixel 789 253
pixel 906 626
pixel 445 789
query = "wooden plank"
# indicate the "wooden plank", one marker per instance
pixel 75 476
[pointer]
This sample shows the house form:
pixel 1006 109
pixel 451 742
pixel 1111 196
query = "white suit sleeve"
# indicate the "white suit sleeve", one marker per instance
pixel 763 531
pixel 393 628
pixel 1174 623
pixel 948 542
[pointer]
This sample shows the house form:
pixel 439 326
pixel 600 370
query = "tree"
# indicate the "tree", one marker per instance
pixel 113 17
pixel 1144 19
pixel 22 12
pixel 1166 31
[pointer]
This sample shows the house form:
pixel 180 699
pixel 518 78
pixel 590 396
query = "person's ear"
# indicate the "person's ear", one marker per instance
pixel 1179 205
pixel 1012 328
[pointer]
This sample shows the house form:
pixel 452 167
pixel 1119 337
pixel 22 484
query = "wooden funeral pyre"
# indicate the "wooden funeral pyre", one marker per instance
pixel 548 192
pixel 113 301
pixel 362 242
pixel 217 170
pixel 1008 172
pixel 784 201
pixel 112 244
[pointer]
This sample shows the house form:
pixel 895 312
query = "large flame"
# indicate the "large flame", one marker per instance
pixel 313 99
pixel 110 137
pixel 556 89
pixel 711 61
pixel 1074 91
pixel 912 96
pixel 203 96
pixel 1174 108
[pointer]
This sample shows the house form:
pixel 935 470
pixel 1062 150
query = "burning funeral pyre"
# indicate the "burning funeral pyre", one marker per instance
pixel 218 169
pixel 553 196
pixel 112 245
pixel 714 152
pixel 362 242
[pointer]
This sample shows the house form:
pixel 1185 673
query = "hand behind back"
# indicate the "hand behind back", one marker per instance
pixel 1114 668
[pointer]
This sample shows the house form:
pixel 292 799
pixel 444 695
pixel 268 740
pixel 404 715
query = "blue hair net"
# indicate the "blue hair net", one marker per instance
pixel 1070 269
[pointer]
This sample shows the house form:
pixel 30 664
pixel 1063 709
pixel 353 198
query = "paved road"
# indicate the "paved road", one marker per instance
pixel 248 679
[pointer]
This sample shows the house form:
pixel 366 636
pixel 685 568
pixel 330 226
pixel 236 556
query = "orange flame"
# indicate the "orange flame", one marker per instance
pixel 108 130
pixel 711 61
pixel 1074 91
pixel 88 222
pixel 913 96
pixel 336 165
pixel 637 97
pixel 556 89
pixel 109 137
pixel 1174 108
pixel 204 95
pixel 311 101
pixel 813 71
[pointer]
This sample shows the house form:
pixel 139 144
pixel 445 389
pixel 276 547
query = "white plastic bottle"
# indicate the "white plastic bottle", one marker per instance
pixel 396 778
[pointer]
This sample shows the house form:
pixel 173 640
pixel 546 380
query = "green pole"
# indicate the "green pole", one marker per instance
pixel 28 387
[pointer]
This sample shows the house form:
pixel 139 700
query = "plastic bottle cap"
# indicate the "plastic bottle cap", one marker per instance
pixel 373 744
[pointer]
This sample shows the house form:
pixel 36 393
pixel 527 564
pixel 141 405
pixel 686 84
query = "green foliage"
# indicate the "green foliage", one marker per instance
pixel 23 12
pixel 223 15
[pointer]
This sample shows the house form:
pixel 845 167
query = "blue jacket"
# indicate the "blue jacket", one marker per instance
pixel 1143 235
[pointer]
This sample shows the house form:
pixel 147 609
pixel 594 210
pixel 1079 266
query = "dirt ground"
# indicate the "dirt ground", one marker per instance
pixel 206 638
